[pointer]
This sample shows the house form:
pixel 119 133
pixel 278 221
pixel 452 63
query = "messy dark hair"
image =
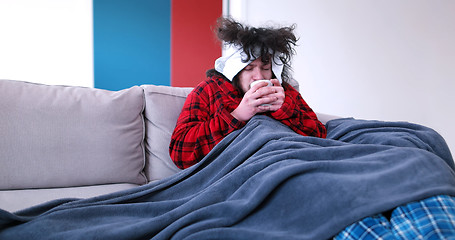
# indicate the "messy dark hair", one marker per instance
pixel 270 42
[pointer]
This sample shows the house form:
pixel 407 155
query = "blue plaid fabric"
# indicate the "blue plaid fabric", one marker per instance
pixel 432 218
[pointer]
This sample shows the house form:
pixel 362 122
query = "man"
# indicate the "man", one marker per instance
pixel 225 101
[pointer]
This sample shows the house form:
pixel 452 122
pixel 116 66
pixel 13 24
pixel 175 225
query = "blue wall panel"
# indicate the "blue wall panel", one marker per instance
pixel 131 43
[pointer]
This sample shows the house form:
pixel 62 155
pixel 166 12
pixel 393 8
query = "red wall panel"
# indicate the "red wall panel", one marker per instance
pixel 194 47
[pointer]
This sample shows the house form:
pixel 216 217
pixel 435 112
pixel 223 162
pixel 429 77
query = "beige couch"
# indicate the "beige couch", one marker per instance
pixel 76 142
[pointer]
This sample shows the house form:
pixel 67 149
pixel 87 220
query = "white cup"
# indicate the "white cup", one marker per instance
pixel 269 83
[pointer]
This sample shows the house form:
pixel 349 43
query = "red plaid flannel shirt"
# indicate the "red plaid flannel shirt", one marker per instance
pixel 206 119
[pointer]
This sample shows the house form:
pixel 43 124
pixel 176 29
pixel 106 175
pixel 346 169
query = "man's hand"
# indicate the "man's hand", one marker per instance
pixel 259 99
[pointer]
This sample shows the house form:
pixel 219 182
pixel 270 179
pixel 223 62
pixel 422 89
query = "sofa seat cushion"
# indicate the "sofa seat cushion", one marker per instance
pixel 14 200
pixel 62 136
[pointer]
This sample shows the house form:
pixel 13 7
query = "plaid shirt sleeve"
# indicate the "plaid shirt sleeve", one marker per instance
pixel 296 114
pixel 206 119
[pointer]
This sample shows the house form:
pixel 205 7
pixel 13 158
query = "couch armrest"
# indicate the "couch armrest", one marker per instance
pixel 324 118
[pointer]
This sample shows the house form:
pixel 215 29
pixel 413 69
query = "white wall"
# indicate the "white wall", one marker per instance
pixel 386 60
pixel 47 41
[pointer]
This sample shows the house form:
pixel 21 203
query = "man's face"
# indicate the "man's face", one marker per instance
pixel 256 70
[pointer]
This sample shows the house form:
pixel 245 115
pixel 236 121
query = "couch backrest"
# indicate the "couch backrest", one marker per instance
pixel 64 136
pixel 59 136
pixel 162 108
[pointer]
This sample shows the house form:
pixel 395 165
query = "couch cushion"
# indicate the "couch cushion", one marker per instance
pixel 60 136
pixel 162 108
